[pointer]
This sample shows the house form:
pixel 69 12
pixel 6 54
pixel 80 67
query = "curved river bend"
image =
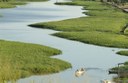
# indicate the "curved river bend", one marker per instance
pixel 13 26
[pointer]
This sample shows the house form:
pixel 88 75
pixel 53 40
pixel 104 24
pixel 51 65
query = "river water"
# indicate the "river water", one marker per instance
pixel 13 26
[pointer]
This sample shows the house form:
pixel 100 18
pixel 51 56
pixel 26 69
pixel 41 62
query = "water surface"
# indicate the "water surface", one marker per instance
pixel 13 26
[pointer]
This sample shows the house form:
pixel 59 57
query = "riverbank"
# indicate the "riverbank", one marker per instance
pixel 23 59
pixel 102 26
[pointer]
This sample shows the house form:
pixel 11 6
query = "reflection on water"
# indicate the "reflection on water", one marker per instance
pixel 96 60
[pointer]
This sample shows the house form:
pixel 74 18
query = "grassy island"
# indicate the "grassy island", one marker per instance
pixel 23 59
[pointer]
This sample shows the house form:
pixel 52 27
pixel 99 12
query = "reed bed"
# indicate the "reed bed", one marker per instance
pixel 19 60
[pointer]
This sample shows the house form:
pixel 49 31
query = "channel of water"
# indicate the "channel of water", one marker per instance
pixel 13 27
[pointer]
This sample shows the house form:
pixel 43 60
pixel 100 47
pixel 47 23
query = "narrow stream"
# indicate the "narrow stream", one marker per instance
pixel 13 26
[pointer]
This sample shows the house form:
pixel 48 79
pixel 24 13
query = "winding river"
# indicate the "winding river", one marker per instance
pixel 13 26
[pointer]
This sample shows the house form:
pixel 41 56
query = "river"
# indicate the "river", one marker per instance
pixel 13 26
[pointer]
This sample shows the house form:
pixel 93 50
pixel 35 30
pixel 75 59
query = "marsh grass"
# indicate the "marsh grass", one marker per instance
pixel 101 27
pixel 6 5
pixel 8 71
pixel 22 59
pixel 11 4
pixel 123 52
pixel 33 0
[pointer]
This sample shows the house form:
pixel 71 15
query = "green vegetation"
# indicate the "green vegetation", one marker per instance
pixel 34 0
pixel 101 27
pixel 22 59
pixel 13 3
pixel 10 4
pixel 122 72
pixel 123 52
pixel 6 5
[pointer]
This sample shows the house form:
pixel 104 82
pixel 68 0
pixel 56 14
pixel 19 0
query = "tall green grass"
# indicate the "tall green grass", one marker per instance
pixel 22 59
pixel 8 71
